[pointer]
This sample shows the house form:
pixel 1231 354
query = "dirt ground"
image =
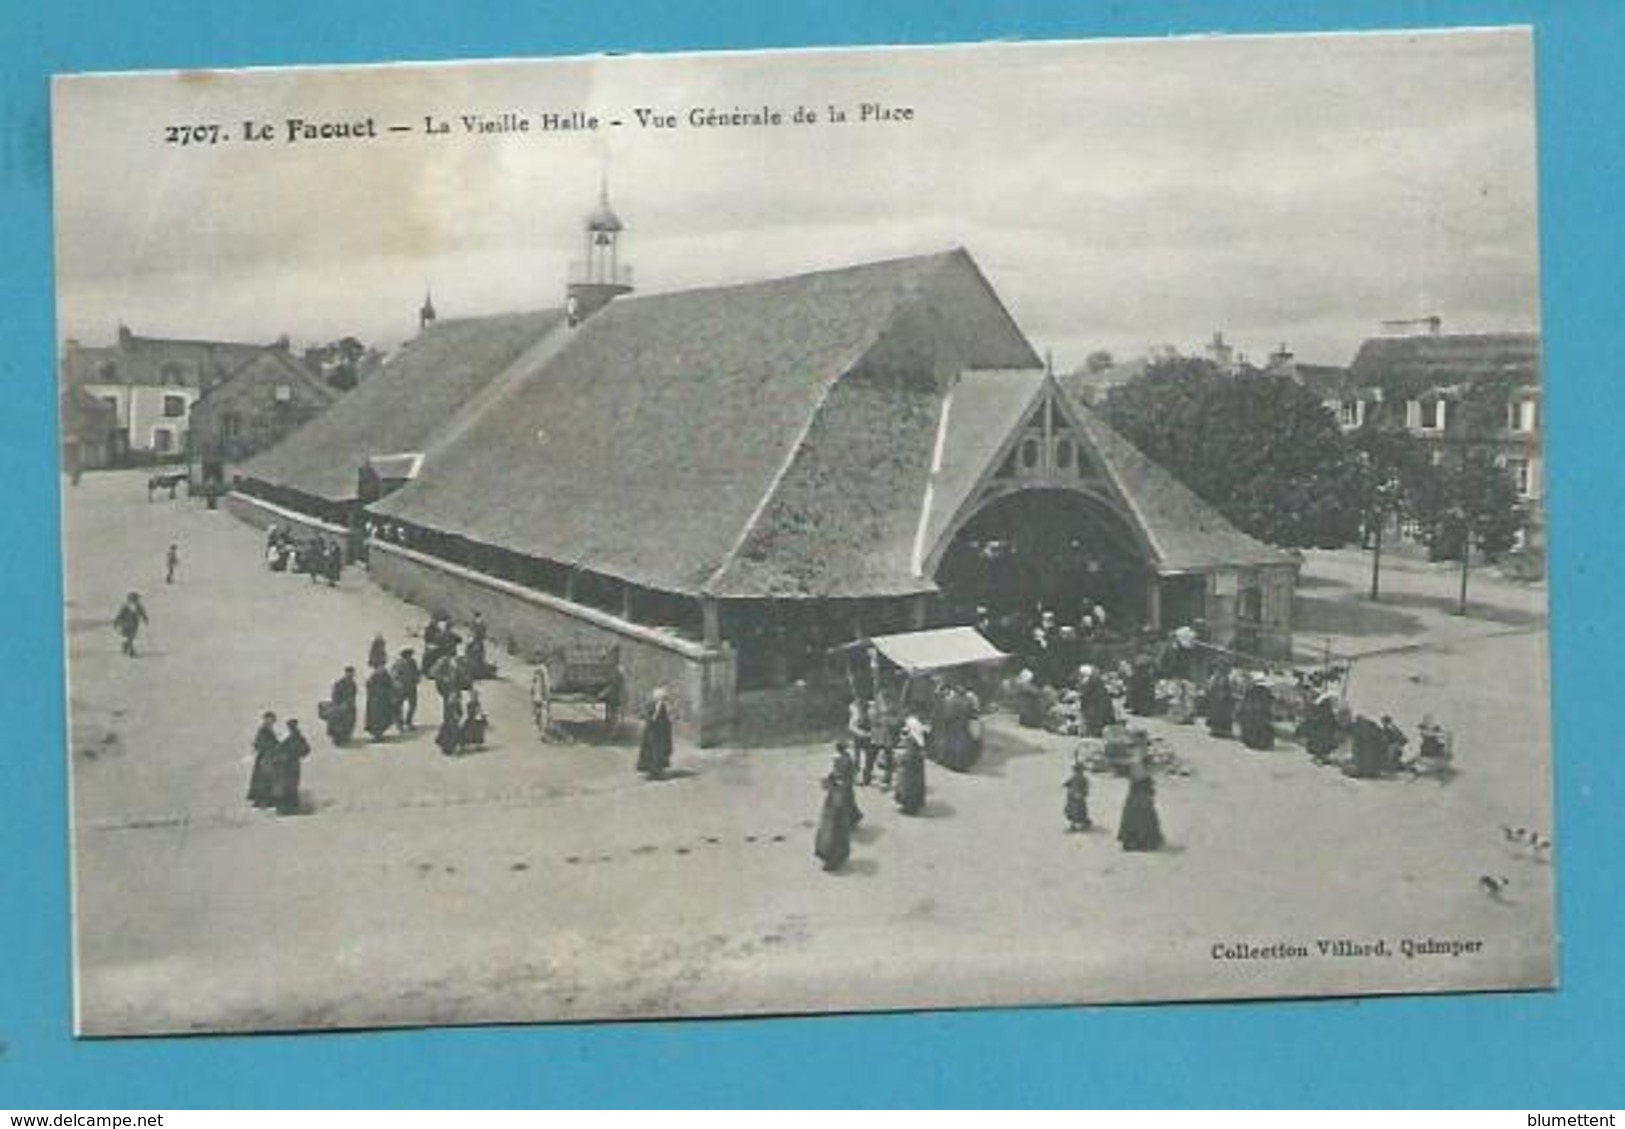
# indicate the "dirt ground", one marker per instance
pixel 550 882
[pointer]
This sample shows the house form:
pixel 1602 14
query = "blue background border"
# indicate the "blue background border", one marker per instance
pixel 1539 1050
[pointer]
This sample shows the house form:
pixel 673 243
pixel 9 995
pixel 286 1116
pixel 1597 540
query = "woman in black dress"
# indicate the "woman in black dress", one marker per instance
pixel 833 842
pixel 654 751
pixel 1256 717
pixel 1221 704
pixel 1140 829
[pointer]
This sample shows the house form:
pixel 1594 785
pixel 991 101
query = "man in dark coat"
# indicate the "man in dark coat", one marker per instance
pixel 1256 716
pixel 381 712
pixel 378 652
pixel 289 757
pixel 262 780
pixel 341 710
pixel 128 621
pixel 406 674
pixel 334 562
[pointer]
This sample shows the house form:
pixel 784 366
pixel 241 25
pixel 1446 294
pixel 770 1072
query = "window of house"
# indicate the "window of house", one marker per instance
pixel 231 425
pixel 1029 453
pixel 282 393
pixel 1432 415
pixel 1350 413
pixel 1521 479
pixel 1521 415
pixel 1063 454
pixel 174 407
pixel 163 440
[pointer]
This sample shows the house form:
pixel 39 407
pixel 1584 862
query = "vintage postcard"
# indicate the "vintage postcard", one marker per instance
pixel 792 532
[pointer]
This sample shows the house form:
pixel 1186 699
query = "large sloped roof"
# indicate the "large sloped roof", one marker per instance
pixel 767 439
pixel 403 405
pixel 1408 366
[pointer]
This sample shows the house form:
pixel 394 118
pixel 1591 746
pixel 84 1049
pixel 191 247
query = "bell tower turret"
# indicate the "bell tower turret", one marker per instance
pixel 600 277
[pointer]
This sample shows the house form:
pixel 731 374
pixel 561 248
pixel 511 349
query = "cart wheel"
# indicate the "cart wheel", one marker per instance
pixel 541 703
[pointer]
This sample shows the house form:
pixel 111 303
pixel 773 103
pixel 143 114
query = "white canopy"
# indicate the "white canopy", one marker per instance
pixel 935 650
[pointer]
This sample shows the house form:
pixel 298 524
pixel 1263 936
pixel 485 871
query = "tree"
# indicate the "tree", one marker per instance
pixel 336 361
pixel 1474 505
pixel 1397 478
pixel 1098 361
pixel 1260 448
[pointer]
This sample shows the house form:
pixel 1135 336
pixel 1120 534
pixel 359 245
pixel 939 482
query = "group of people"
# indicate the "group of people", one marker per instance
pixel 391 690
pixel 840 815
pixel 274 781
pixel 1050 648
pixel 320 558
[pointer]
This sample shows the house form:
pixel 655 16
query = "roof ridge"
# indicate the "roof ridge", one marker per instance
pixel 924 258
pixel 559 337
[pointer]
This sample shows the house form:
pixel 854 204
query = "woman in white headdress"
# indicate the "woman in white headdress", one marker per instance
pixel 654 750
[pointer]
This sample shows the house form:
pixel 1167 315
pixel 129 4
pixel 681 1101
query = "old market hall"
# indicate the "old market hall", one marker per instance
pixel 730 482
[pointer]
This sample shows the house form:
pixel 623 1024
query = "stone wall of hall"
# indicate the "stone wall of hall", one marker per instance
pixel 524 622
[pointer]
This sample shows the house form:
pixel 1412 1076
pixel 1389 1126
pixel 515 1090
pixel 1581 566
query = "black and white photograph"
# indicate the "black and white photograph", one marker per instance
pixel 806 531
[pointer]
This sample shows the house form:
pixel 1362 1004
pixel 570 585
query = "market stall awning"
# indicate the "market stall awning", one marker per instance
pixel 936 650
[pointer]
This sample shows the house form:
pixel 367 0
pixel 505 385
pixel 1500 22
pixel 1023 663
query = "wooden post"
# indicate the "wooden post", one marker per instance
pixel 1153 594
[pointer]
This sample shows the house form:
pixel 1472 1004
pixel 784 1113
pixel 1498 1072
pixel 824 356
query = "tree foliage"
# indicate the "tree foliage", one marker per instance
pixel 1473 497
pixel 337 361
pixel 1261 448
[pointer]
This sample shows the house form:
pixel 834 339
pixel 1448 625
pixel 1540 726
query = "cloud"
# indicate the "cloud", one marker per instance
pixel 1119 193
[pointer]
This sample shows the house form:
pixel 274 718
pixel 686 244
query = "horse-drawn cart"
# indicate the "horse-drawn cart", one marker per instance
pixel 589 676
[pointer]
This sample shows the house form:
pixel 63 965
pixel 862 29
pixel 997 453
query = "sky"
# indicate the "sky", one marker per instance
pixel 1288 190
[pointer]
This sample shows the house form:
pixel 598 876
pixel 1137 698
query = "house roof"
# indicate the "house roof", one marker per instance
pixel 275 364
pixel 143 360
pixel 765 439
pixel 402 406
pixel 1407 366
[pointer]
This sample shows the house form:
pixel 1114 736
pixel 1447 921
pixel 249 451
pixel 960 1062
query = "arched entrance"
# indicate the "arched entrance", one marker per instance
pixel 1044 548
